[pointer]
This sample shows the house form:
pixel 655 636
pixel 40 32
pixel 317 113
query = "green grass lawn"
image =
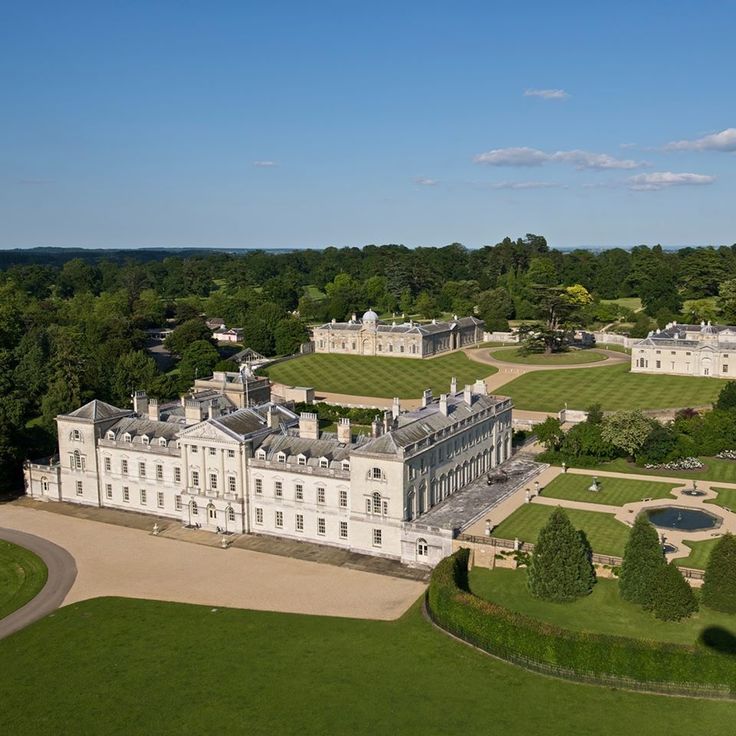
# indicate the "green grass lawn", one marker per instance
pixel 614 387
pixel 715 469
pixel 614 491
pixel 602 611
pixel 613 348
pixel 121 666
pixel 698 557
pixel 22 575
pixel 629 302
pixel 726 498
pixel 572 357
pixel 378 376
pixel 606 535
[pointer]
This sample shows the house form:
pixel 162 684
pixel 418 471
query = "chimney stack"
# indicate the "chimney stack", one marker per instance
pixel 154 414
pixel 427 397
pixel 443 404
pixel 388 421
pixel 308 426
pixel 273 419
pixel 213 411
pixel 140 403
pixel 468 394
pixel 192 411
pixel 376 426
pixel 453 386
pixel 479 388
pixel 396 407
pixel 344 432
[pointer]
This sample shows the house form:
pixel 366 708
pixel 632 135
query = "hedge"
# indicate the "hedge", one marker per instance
pixel 575 655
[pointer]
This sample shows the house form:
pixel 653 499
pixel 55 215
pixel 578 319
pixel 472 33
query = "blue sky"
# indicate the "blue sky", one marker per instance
pixel 288 124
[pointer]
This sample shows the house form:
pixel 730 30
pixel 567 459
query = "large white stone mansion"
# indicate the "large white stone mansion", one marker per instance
pixel 263 469
pixel 368 336
pixel 687 350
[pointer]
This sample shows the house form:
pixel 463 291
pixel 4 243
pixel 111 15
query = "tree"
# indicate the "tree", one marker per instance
pixel 549 433
pixel 726 301
pixel 198 361
pixel 726 397
pixel 719 584
pixel 627 430
pixel 135 371
pixel 560 568
pixel 185 334
pixel 672 598
pixel 643 559
pixel 289 334
pixel 659 446
pixel 425 306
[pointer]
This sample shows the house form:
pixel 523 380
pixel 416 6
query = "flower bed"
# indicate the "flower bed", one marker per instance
pixel 727 455
pixel 683 463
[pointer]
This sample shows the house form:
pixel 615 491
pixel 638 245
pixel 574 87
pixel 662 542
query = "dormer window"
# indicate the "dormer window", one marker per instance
pixel 301 459
pixel 324 462
pixel 110 435
pixel 145 440
pixel 345 465
pixel 162 441
pixel 127 437
pixel 281 457
pixel 261 454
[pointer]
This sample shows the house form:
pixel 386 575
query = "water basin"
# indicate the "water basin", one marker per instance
pixel 679 518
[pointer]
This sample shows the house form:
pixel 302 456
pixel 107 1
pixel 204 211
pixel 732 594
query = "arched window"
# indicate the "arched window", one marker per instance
pixel 211 511
pixel 376 498
pixel 195 508
pixel 77 460
pixel 422 548
pixel 76 435
pixel 230 513
pixel 44 484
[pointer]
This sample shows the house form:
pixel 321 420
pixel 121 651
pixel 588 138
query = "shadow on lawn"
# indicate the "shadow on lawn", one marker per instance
pixel 719 639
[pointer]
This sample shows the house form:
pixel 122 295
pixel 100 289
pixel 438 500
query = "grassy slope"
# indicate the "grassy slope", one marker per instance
pixel 131 667
pixel 22 575
pixel 602 611
pixel 614 491
pixel 378 376
pixel 614 387
pixel 573 357
pixel 715 469
pixel 606 535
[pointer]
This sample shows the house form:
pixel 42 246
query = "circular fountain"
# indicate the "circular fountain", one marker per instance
pixel 683 519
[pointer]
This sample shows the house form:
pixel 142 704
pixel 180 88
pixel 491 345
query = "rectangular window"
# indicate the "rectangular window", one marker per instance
pixel 213 481
pixel 659 364
pixel 299 523
pixel 108 491
pixel 195 478
pixel 231 453
pixel 159 472
pixel 259 486
pixel 124 467
pixel 377 538
pixel 278 489
pixel 177 502
pixel 724 367
pixel 299 492
pixel 144 497
pixel 213 450
pixel 108 464
pixel 177 475
pixel 344 499
pixel 320 495
pixel 142 470
pixel 194 449
pixel 79 488
pixel 160 499
pixel 385 508
pixel 231 484
pixel 321 526
pixel 279 519
pixel 343 530
pixel 126 494
pixel 259 516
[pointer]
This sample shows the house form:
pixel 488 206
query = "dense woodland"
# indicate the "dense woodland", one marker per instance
pixel 72 322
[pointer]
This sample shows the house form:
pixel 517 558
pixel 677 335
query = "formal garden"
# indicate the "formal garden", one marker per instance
pixel 378 376
pixel 570 357
pixel 22 575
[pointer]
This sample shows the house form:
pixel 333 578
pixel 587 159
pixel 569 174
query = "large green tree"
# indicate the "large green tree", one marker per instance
pixel 643 559
pixel 719 585
pixel 185 334
pixel 627 430
pixel 672 597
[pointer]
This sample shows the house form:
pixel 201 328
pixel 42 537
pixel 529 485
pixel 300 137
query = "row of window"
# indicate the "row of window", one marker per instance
pixel 211 510
pixel 194 449
pixel 301 460
pixel 278 522
pixel 142 469
pixel 379 346
pixel 232 484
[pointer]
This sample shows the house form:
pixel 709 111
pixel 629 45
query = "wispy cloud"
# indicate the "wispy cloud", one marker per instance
pixel 527 185
pixel 662 179
pixel 424 181
pixel 725 140
pixel 265 164
pixel 524 156
pixel 547 94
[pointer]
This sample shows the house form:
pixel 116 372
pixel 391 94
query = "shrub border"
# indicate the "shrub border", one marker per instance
pixel 596 659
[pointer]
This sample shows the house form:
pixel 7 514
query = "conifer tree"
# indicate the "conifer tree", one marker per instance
pixel 673 598
pixel 643 559
pixel 719 585
pixel 560 568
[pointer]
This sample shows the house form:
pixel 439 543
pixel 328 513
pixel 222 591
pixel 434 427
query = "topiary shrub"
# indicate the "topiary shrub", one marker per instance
pixel 560 568
pixel 642 562
pixel 719 584
pixel 672 597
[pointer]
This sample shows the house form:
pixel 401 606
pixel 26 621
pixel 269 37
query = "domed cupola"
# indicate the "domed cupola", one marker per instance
pixel 370 319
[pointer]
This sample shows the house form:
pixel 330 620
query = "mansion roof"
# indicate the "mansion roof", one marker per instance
pixel 432 328
pixel 694 337
pixel 97 411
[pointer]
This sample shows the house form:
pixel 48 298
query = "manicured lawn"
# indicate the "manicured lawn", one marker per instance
pixel 726 498
pixel 629 302
pixel 378 376
pixel 602 611
pixel 614 348
pixel 572 357
pixel 22 575
pixel 606 535
pixel 136 667
pixel 614 387
pixel 613 491
pixel 715 469
pixel 699 555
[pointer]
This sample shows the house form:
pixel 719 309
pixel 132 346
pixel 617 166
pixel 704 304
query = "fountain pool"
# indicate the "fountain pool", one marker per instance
pixel 681 518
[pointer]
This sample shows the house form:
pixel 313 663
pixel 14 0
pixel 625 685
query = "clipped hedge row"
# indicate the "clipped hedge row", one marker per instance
pixel 518 638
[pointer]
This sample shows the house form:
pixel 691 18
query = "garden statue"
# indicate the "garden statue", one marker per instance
pixel 155 530
pixel 527 496
pixel 594 486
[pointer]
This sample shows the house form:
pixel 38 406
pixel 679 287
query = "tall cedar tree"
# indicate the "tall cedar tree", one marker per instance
pixel 560 568
pixel 673 598
pixel 643 560
pixel 719 584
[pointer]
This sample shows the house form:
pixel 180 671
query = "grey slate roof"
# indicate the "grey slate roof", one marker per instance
pixel 404 328
pixel 139 426
pixel 98 410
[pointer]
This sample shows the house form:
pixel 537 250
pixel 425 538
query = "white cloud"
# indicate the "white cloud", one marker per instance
pixel 663 179
pixel 547 94
pixel 524 156
pixel 424 181
pixel 723 141
pixel 265 164
pixel 526 185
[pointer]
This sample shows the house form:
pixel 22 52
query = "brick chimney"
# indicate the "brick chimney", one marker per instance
pixel 154 413
pixel 140 403
pixel 308 426
pixel 344 432
pixel 192 411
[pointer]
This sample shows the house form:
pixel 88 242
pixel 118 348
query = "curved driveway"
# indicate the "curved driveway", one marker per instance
pixel 62 571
